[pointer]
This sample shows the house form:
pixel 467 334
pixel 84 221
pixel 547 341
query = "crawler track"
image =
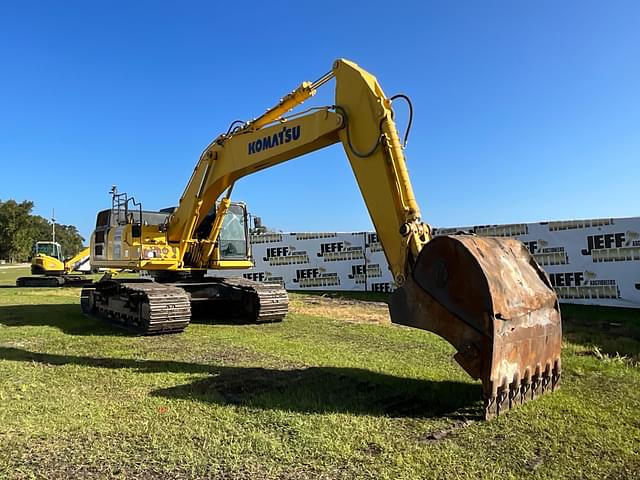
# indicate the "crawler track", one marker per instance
pixel 39 282
pixel 53 281
pixel 144 307
pixel 270 301
pixel 147 307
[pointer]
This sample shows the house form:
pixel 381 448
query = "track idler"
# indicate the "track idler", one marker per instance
pixel 489 298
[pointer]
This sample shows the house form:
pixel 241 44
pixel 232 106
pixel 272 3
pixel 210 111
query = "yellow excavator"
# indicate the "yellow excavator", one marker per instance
pixel 486 296
pixel 50 269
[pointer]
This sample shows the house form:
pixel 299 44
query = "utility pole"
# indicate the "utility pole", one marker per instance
pixel 53 222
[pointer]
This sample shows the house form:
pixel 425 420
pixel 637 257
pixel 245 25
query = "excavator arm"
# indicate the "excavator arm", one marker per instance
pixel 75 262
pixel 361 119
pixel 486 296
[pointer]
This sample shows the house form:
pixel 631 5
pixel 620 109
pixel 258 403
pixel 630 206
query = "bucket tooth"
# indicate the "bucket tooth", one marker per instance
pixel 546 382
pixel 525 390
pixel 490 299
pixel 502 401
pixel 536 388
pixel 556 376
pixel 490 408
pixel 514 394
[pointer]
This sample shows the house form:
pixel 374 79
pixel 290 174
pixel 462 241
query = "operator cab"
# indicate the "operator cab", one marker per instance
pixel 233 241
pixel 51 249
pixel 234 233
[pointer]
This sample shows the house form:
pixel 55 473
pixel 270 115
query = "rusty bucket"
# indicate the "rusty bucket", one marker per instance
pixel 489 298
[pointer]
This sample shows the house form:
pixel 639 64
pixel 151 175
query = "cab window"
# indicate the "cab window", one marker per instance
pixel 49 249
pixel 233 235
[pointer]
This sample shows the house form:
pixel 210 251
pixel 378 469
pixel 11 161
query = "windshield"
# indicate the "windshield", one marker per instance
pixel 233 235
pixel 48 248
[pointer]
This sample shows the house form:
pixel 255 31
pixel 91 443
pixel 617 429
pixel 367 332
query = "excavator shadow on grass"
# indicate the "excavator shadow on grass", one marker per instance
pixel 333 390
pixel 68 318
pixel 300 389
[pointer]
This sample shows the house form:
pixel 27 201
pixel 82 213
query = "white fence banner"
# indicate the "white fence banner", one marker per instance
pixel 595 262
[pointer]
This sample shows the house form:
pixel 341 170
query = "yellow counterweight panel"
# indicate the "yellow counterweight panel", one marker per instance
pixel 44 264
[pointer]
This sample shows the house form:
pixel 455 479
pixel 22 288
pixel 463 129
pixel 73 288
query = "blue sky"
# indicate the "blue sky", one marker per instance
pixel 524 111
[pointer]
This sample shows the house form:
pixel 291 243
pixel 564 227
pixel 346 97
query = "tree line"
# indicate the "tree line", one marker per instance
pixel 20 230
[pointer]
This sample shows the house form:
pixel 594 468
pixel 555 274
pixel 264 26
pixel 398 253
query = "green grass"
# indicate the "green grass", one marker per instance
pixel 365 296
pixel 311 397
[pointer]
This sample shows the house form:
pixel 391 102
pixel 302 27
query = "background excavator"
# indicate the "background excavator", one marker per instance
pixel 486 296
pixel 50 269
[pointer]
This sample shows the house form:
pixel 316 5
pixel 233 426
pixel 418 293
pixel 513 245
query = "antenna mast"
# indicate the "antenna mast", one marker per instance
pixel 53 224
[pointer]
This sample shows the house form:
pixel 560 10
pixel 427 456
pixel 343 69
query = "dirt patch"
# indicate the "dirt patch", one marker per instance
pixel 176 348
pixel 439 435
pixel 239 356
pixel 347 309
pixel 372 449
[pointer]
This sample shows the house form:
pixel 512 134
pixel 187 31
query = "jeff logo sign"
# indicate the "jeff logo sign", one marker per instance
pixel 613 247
